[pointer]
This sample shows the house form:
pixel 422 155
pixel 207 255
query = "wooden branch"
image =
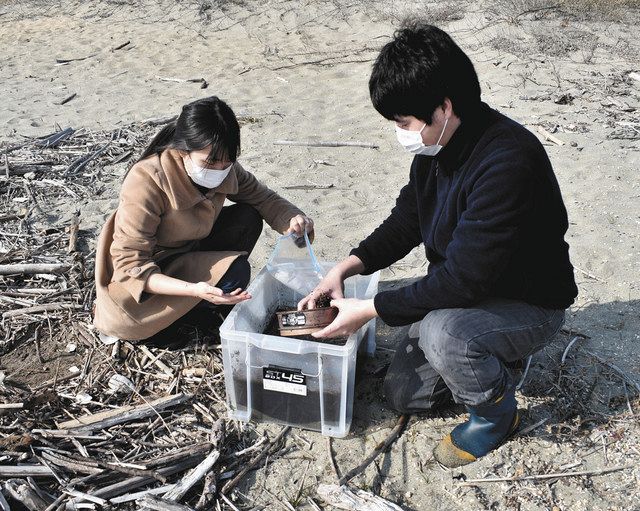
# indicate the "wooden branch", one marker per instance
pixel 230 485
pixel 122 487
pixel 137 495
pixel 342 497
pixel 160 504
pixel 616 369
pixel 124 414
pixel 68 98
pixel 73 232
pixel 185 484
pixel 327 143
pixel 548 136
pixel 23 493
pixel 336 470
pixel 24 471
pixel 381 447
pixel 37 309
pixel 540 477
pixel 66 61
pixel 27 268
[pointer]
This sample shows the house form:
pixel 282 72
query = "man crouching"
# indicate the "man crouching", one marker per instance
pixel 484 200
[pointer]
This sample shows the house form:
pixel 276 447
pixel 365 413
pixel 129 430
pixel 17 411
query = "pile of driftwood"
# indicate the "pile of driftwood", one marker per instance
pixel 129 426
pixel 101 437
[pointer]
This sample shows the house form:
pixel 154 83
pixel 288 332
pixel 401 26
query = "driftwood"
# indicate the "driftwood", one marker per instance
pixel 380 448
pixel 24 471
pixel 254 461
pixel 20 490
pixel 125 414
pixel 26 269
pixel 37 309
pixel 548 136
pixel 326 143
pixel 343 497
pixel 160 504
pixel 540 477
pixel 73 232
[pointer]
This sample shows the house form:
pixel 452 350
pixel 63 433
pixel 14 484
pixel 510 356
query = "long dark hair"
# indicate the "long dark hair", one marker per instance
pixel 204 122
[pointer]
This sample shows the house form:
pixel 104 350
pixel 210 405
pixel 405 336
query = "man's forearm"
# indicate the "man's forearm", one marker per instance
pixel 349 267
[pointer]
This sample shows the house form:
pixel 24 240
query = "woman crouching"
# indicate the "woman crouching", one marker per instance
pixel 171 244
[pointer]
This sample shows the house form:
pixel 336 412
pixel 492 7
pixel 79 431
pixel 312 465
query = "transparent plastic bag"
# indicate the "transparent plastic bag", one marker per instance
pixel 294 264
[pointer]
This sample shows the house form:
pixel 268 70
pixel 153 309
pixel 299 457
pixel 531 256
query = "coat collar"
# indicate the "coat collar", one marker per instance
pixel 180 190
pixel 459 148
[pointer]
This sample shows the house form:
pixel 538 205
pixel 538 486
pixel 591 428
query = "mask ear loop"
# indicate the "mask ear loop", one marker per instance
pixel 443 129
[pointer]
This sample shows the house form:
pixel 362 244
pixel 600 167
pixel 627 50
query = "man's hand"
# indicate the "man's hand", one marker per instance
pixel 217 296
pixel 332 286
pixel 353 313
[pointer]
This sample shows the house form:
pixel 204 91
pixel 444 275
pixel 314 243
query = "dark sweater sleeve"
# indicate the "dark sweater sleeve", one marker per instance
pixel 395 237
pixel 483 241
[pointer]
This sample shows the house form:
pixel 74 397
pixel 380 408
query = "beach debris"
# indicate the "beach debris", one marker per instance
pixel 548 136
pixel 354 499
pixel 326 143
pixel 203 83
pixel 67 99
pixel 121 46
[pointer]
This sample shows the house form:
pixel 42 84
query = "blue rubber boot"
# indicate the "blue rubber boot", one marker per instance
pixel 488 426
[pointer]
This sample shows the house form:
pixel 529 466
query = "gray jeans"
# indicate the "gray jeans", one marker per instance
pixel 463 352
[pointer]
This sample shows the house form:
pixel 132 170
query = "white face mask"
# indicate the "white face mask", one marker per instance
pixel 412 141
pixel 209 178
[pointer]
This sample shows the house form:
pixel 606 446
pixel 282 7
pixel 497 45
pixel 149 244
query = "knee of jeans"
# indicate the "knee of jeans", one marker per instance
pixel 436 342
pixel 237 276
pixel 396 395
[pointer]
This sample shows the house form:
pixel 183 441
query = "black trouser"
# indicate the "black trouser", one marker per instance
pixel 237 228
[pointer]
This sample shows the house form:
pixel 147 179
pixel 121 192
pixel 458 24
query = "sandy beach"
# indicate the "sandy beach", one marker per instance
pixel 299 71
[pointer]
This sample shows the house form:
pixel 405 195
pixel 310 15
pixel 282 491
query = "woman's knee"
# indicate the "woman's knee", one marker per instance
pixel 250 217
pixel 237 276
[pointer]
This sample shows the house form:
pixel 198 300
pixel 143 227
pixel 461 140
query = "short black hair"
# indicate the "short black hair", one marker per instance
pixel 417 70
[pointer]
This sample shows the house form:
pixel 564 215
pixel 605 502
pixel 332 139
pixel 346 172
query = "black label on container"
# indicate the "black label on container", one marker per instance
pixel 290 381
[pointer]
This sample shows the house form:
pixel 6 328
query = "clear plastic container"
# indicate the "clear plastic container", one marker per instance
pixel 306 384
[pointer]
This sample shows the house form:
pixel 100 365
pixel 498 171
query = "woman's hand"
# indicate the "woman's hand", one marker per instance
pixel 353 314
pixel 299 224
pixel 217 296
pixel 331 286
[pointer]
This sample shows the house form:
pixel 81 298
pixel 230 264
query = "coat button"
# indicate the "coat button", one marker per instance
pixel 135 270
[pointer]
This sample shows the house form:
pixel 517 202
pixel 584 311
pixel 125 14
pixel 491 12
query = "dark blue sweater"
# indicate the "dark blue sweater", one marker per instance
pixel 489 212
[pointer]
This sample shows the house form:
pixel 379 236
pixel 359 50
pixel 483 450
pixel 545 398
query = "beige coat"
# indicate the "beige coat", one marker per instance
pixel 161 214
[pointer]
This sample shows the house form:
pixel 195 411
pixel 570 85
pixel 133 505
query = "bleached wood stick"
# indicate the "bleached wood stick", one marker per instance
pixel 4 505
pixel 343 497
pixel 326 143
pixel 548 136
pixel 156 360
pixel 185 484
pixel 11 406
pixel 27 268
pixel 122 487
pixel 106 419
pixel 24 471
pixel 230 485
pixel 160 504
pixel 138 495
pixel 473 482
pixel 73 232
pixel 37 309
pixel 23 493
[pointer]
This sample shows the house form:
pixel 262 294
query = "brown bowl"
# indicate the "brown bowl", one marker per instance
pixel 294 322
